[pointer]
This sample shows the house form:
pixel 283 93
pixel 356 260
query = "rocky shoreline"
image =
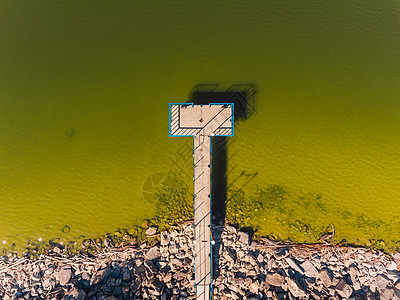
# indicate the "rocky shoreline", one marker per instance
pixel 243 270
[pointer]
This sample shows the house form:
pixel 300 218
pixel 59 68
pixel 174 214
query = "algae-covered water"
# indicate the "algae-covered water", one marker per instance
pixel 84 93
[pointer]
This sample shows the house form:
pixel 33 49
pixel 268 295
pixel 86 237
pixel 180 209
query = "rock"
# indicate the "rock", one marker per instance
pixel 178 276
pixel 325 278
pixel 275 279
pixel 176 262
pixel 238 281
pixel 309 269
pixel 344 289
pixel 228 256
pixel 151 266
pixel 100 275
pixel 381 282
pixel 153 253
pixel 64 275
pixel 294 288
pixel 387 294
pixel 391 266
pixel 167 277
pixel 254 287
pixel 165 238
pixel 151 231
pixel 157 284
pixel 353 274
pixel 126 275
pixel 243 238
pixel 281 253
pixel 293 265
pixel 75 294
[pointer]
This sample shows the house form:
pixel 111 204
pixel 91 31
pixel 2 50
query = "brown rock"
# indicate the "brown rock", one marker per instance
pixel 64 275
pixel 243 238
pixel 294 265
pixel 294 288
pixel 281 253
pixel 325 278
pixel 309 269
pixel 254 287
pixel 153 253
pixel 387 294
pixel 344 289
pixel 75 294
pixel 165 238
pixel 275 279
pixel 100 275
pixel 178 276
pixel 381 282
pixel 151 231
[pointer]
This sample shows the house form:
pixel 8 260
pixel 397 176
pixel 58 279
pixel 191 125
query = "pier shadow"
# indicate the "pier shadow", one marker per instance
pixel 242 96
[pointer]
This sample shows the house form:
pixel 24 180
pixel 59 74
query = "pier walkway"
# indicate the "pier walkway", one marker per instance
pixel 202 122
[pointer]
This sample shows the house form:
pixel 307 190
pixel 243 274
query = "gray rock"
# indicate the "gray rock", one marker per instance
pixel 243 238
pixel 238 281
pixel 153 253
pixel 344 289
pixel 353 273
pixel 391 266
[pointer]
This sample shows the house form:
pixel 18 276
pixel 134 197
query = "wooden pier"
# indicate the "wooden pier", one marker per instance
pixel 202 122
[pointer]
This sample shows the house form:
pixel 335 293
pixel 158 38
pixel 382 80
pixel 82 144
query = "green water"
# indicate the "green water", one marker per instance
pixel 84 93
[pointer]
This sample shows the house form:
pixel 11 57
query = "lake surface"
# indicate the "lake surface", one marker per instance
pixel 84 93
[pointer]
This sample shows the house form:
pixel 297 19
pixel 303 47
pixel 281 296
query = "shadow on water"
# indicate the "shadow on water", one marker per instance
pixel 242 96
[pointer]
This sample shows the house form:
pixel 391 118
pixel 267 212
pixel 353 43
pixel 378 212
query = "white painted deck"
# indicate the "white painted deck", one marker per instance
pixel 202 122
